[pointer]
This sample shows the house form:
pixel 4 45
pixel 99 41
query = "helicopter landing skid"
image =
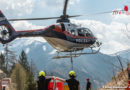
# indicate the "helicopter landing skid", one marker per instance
pixel 92 52
pixel 67 56
pixel 75 54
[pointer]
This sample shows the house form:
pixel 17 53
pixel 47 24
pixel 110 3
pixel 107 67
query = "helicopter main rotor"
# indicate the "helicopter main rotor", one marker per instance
pixel 65 8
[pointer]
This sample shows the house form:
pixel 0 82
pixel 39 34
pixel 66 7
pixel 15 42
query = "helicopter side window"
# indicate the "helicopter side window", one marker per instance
pixel 80 32
pixel 88 34
pixel 63 27
pixel 73 32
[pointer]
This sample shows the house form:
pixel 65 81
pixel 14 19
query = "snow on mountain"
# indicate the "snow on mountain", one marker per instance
pixel 27 50
pixel 97 67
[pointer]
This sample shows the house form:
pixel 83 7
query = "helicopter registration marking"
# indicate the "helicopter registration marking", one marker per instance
pixel 81 40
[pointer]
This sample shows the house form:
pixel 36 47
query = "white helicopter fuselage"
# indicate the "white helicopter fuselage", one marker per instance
pixel 68 37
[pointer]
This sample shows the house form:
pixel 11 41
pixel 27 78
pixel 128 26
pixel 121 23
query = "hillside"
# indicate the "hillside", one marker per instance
pixel 120 80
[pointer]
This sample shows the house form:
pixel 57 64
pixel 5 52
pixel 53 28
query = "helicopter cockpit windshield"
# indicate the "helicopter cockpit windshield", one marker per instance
pixel 84 32
pixel 76 30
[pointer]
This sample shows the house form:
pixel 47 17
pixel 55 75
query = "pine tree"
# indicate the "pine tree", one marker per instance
pixel 2 61
pixel 10 58
pixel 30 82
pixel 23 74
pixel 23 79
pixel 23 60
pixel 19 77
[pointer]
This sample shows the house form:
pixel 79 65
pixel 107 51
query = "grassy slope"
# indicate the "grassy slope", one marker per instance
pixel 120 80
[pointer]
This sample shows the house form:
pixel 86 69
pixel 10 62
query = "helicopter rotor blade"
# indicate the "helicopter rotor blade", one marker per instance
pixel 71 16
pixel 33 19
pixel 65 7
pixel 74 16
pixel 23 19
pixel 100 13
pixel 92 14
pixel 105 12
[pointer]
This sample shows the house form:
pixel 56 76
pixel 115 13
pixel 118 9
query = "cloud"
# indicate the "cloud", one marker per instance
pixel 52 52
pixel 122 18
pixel 111 35
pixel 57 4
pixel 17 7
pixel 44 48
pixel 25 25
pixel 27 50
pixel 72 2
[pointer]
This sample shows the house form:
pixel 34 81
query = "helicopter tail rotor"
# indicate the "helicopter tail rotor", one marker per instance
pixel 6 30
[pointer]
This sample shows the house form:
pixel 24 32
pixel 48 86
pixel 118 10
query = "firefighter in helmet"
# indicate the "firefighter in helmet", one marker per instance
pixel 42 81
pixel 72 82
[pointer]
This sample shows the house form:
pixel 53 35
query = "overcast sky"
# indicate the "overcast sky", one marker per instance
pixel 109 29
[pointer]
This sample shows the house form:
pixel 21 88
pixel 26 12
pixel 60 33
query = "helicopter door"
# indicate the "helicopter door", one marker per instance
pixel 73 32
pixel 63 27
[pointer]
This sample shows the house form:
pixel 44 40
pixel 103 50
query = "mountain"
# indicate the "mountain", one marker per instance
pixel 120 80
pixel 125 54
pixel 97 67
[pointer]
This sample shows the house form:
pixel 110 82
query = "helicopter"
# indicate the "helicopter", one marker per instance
pixel 64 36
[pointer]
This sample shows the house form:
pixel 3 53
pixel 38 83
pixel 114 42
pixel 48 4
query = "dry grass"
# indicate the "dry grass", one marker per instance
pixel 2 74
pixel 120 80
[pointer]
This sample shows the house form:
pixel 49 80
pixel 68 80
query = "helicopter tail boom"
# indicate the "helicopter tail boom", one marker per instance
pixel 4 21
pixel 7 32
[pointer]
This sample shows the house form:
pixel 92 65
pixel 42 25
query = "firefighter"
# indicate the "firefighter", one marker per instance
pixel 3 88
pixel 72 82
pixel 43 82
pixel 88 86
